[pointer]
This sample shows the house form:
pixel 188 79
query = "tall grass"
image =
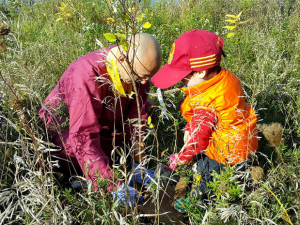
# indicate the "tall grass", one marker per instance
pixel 263 53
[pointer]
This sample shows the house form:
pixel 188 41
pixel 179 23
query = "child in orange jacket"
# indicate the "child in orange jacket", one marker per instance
pixel 221 126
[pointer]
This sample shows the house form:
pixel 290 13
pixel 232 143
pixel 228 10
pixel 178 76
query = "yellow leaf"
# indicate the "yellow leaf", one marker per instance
pixel 162 154
pixel 110 20
pixel 140 17
pixel 231 21
pixel 238 15
pixel 110 37
pixel 198 178
pixel 131 94
pixel 230 27
pixel 131 9
pixel 149 120
pixel 243 22
pixel 232 16
pixel 151 125
pixel 230 34
pixel 59 19
pixel 147 25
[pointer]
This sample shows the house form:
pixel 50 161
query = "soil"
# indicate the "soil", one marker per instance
pixel 167 197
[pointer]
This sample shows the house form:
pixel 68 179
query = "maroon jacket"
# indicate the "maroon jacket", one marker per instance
pixel 82 112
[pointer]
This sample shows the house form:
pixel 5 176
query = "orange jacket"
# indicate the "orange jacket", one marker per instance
pixel 234 137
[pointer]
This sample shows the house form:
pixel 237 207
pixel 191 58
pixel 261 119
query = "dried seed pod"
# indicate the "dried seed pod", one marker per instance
pixel 2 46
pixel 257 174
pixel 4 29
pixel 272 132
pixel 14 103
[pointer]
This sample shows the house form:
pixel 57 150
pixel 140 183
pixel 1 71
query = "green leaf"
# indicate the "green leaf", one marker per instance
pixel 230 27
pixel 230 34
pixel 238 15
pixel 147 25
pixel 141 17
pixel 125 45
pixel 230 15
pixel 231 21
pixel 127 18
pixel 120 36
pixel 110 37
pixel 116 203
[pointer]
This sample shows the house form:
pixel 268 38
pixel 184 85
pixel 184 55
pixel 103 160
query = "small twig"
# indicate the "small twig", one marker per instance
pixel 9 143
pixel 168 92
pixel 289 219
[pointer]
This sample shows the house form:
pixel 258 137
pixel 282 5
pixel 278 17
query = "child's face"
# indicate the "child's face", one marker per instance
pixel 194 78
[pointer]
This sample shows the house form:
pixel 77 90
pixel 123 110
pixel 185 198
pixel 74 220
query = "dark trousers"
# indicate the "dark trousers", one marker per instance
pixel 205 167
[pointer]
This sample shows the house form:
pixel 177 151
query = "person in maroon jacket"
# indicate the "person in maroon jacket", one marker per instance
pixel 91 109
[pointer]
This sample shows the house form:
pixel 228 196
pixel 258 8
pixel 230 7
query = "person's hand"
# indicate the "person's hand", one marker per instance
pixel 127 195
pixel 141 175
pixel 139 151
pixel 173 161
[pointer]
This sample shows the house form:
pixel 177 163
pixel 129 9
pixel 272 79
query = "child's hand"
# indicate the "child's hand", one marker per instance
pixel 174 161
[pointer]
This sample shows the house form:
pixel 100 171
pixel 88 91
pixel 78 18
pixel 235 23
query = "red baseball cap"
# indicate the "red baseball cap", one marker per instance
pixel 194 50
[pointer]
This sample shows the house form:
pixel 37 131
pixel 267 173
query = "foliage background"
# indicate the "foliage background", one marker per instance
pixel 263 53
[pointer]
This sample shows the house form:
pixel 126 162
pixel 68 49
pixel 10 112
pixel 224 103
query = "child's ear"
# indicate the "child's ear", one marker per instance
pixel 202 74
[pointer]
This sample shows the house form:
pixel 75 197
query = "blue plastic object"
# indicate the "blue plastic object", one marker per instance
pixel 137 175
pixel 130 199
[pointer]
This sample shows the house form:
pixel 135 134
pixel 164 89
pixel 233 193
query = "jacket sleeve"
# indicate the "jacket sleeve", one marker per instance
pixel 200 130
pixel 84 102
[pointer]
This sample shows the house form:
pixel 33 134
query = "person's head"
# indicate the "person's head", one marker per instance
pixel 195 57
pixel 142 60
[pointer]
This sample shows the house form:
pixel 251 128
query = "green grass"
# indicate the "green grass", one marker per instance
pixel 263 53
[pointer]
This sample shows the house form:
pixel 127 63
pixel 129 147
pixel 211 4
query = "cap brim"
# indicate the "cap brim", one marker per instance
pixel 167 76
